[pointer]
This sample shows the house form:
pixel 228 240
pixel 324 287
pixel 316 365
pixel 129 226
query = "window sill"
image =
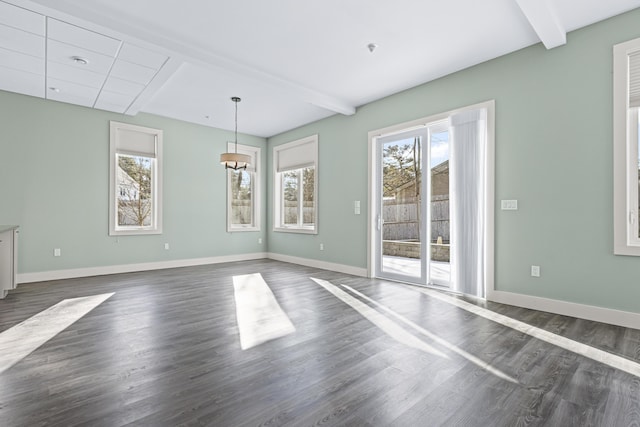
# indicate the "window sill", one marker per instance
pixel 627 250
pixel 241 229
pixel 138 232
pixel 295 230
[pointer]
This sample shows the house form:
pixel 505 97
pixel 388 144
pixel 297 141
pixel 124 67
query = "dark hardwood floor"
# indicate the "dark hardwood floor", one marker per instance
pixel 164 351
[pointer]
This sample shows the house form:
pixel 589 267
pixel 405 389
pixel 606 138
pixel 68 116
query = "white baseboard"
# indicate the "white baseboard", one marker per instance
pixel 324 265
pixel 599 314
pixel 588 312
pixel 44 276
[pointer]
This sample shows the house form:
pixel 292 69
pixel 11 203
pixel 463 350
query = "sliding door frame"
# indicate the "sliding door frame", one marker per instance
pixel 374 197
pixel 424 133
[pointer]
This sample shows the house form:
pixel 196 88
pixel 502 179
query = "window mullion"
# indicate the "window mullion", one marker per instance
pixel 632 179
pixel 301 196
pixel 154 190
pixel 282 201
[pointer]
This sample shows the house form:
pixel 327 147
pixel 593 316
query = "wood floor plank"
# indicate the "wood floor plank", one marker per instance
pixel 165 350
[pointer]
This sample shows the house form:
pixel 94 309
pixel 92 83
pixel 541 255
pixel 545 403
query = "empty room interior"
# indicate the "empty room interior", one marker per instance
pixel 363 213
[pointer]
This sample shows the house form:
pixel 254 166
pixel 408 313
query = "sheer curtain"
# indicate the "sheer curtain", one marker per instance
pixel 467 182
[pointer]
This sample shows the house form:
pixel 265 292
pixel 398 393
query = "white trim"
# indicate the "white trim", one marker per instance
pixel 312 141
pixel 295 230
pixel 626 319
pixel 490 182
pixel 632 178
pixel 44 276
pixel 256 189
pixel 156 182
pixel 622 157
pixel 324 265
pixel 374 199
pixel 490 202
pixel 598 314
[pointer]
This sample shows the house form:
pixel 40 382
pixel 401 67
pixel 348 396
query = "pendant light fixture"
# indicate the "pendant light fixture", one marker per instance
pixel 235 160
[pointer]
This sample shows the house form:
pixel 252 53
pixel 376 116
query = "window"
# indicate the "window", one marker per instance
pixel 243 192
pixel 626 144
pixel 135 180
pixel 296 186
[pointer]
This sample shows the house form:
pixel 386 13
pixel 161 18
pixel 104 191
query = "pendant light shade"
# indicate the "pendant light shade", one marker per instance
pixel 235 160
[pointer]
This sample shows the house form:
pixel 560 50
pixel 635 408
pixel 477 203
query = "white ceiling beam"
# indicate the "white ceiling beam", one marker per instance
pixel 211 60
pixel 188 53
pixel 162 76
pixel 545 22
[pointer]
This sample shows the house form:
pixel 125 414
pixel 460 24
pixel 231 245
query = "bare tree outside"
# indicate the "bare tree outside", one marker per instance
pixel 135 204
pixel 398 168
pixel 241 201
pixel 308 187
pixel 291 188
pixel 299 199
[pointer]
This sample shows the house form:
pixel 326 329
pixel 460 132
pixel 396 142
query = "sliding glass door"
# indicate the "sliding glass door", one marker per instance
pixel 401 232
pixel 429 207
pixel 439 205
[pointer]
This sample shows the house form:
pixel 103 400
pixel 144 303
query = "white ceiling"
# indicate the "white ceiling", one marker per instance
pixel 292 62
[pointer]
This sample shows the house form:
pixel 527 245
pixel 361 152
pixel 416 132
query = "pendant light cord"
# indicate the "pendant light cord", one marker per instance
pixel 236 100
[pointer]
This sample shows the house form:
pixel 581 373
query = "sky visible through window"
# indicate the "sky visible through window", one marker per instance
pixel 439 147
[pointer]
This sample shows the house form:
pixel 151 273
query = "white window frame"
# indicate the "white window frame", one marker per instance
pixel 625 154
pixel 310 159
pixel 118 146
pixel 254 170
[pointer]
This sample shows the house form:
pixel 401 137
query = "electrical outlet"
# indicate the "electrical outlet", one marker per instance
pixel 535 271
pixel 56 252
pixel 356 207
pixel 166 246
pixel 322 246
pixel 259 240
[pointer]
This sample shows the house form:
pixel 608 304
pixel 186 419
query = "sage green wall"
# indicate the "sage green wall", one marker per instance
pixel 553 154
pixel 54 181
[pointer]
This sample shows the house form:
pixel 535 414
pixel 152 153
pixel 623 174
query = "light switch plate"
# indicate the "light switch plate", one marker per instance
pixel 509 205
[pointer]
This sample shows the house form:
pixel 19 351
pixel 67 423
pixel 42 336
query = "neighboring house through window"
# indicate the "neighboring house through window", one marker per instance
pixel 135 180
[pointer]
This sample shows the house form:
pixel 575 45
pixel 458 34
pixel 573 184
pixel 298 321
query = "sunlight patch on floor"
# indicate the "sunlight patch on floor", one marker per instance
pixel 385 324
pixel 470 357
pixel 19 341
pixel 260 318
pixel 585 350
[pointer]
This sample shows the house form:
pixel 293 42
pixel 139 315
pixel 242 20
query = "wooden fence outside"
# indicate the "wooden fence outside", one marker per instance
pixel 401 219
